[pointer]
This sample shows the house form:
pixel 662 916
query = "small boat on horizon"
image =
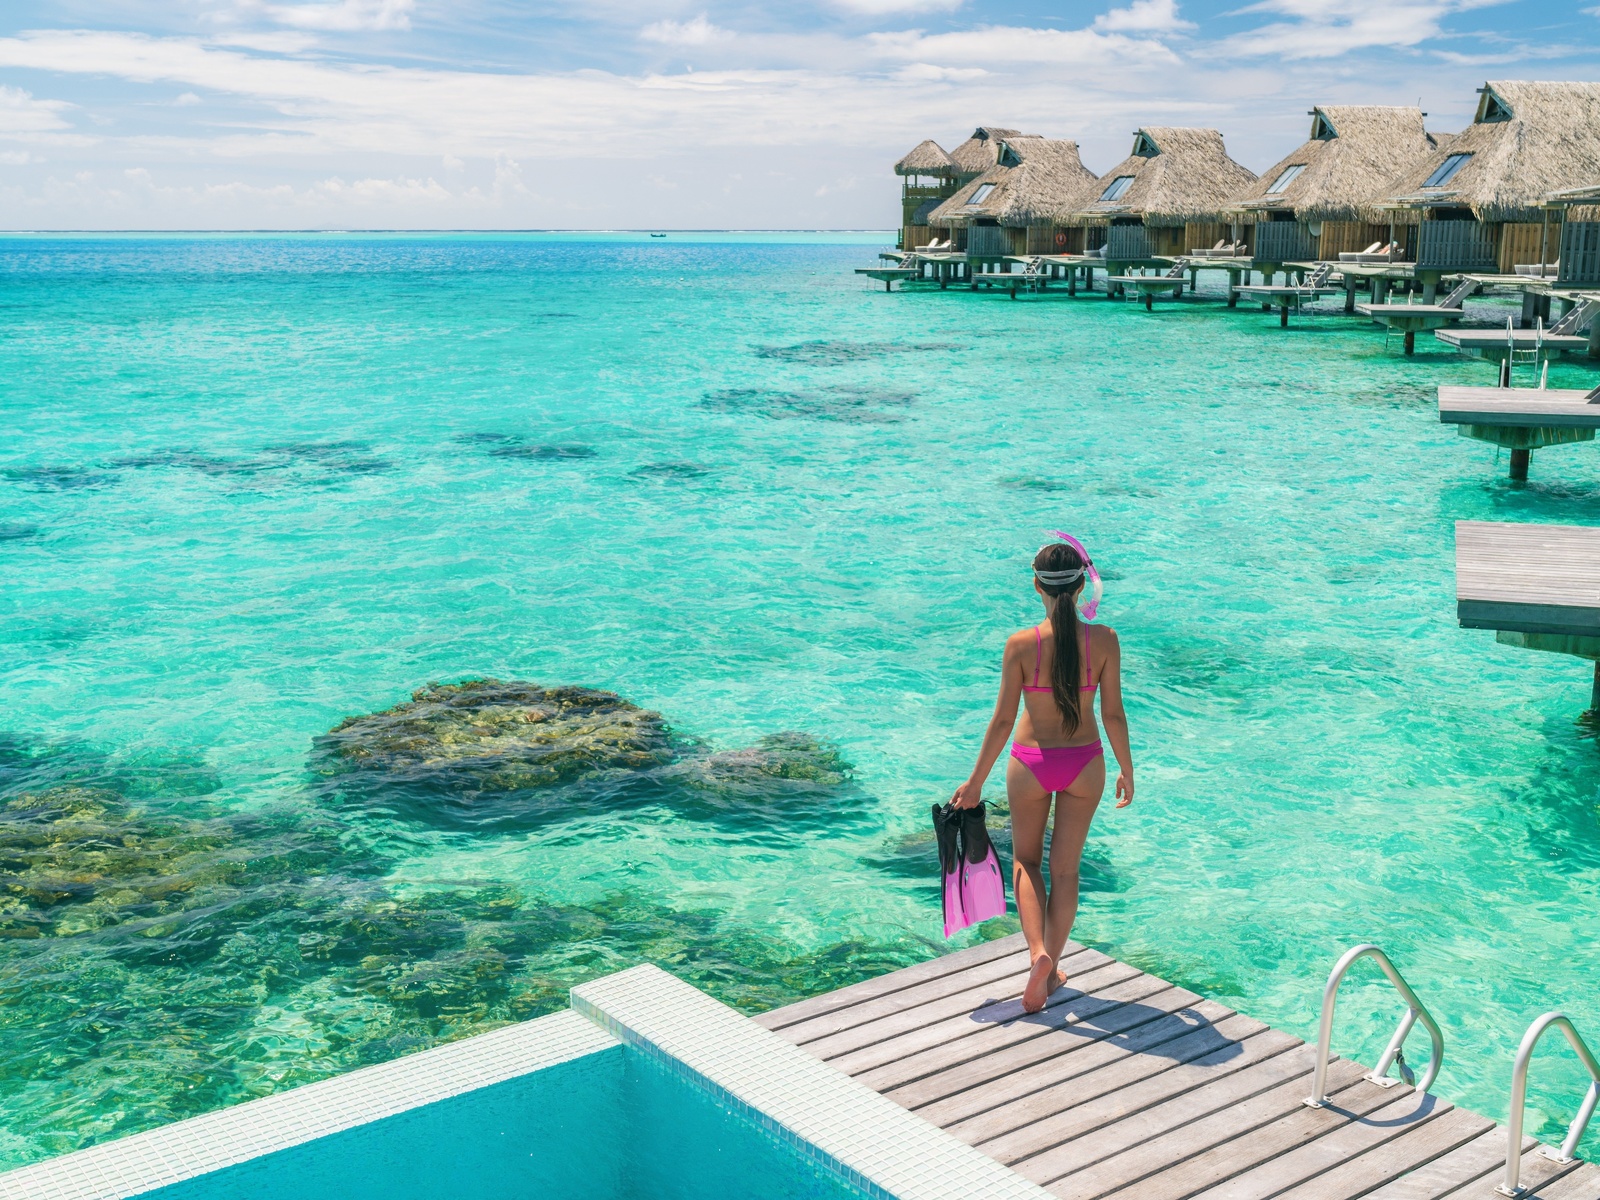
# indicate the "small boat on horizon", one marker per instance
pixel 658 235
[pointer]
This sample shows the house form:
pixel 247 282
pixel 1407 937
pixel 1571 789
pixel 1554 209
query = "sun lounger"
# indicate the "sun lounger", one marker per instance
pixel 1547 270
pixel 1375 253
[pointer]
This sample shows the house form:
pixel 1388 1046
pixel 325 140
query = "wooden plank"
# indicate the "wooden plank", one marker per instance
pixel 1151 1130
pixel 1528 563
pixel 1564 408
pixel 1022 1067
pixel 1483 1155
pixel 1546 1180
pixel 1526 339
pixel 971 1008
pixel 1361 1156
pixel 1170 1156
pixel 1173 1097
pixel 883 985
pixel 962 1040
pixel 997 973
pixel 1581 1184
pixel 1011 1078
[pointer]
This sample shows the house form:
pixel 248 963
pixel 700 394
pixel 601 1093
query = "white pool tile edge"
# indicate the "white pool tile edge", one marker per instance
pixel 142 1162
pixel 830 1118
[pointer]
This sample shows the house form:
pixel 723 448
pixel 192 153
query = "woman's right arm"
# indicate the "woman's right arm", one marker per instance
pixel 1115 719
pixel 970 793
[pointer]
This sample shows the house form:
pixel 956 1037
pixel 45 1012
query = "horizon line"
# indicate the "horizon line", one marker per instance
pixel 449 229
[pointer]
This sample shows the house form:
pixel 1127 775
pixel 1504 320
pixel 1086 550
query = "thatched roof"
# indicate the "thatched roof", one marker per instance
pixel 1527 140
pixel 979 152
pixel 1353 152
pixel 926 158
pixel 1176 176
pixel 1034 179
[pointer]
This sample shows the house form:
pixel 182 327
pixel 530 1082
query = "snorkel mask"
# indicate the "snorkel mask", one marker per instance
pixel 1066 578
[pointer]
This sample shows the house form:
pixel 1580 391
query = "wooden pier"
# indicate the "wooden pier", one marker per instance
pixel 1128 1086
pixel 1521 420
pixel 1536 586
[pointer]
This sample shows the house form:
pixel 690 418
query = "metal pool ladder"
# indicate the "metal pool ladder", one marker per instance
pixel 1519 1097
pixel 1393 1055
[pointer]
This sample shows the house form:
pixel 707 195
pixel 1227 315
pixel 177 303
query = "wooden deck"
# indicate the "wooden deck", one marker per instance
pixel 1536 408
pixel 1128 1086
pixel 1528 578
pixel 1492 343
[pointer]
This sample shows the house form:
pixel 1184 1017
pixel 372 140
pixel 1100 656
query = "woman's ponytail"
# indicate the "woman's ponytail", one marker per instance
pixel 1066 665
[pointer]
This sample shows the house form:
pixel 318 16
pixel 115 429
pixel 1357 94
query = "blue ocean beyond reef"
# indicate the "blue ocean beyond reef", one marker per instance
pixel 251 486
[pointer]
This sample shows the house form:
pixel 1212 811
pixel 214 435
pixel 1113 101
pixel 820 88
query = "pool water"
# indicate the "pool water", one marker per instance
pixel 252 486
pixel 614 1125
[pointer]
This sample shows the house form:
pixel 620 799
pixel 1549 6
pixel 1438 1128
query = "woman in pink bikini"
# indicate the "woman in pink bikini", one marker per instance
pixel 1054 669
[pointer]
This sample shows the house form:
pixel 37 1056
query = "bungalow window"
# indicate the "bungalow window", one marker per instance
pixel 980 195
pixel 1118 186
pixel 1290 173
pixel 1446 171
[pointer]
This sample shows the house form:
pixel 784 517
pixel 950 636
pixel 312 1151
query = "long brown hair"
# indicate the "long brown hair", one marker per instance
pixel 1066 666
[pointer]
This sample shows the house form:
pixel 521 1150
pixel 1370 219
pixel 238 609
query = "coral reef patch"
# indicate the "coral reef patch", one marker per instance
pixel 487 753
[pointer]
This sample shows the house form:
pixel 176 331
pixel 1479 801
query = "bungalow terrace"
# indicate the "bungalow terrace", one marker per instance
pixel 1475 203
pixel 1170 194
pixel 1308 206
pixel 1008 209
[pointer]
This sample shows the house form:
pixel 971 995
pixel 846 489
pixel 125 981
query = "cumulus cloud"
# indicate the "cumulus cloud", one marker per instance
pixel 698 32
pixel 1329 28
pixel 887 8
pixel 21 113
pixel 928 73
pixel 1144 16
pixel 344 16
pixel 1002 45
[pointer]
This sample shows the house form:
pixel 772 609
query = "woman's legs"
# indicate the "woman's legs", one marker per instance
pixel 1047 916
pixel 1030 813
pixel 1075 809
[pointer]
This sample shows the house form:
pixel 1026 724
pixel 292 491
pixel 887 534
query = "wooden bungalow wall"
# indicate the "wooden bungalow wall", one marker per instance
pixel 1521 244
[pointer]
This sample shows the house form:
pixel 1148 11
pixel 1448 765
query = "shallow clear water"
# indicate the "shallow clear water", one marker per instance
pixel 249 487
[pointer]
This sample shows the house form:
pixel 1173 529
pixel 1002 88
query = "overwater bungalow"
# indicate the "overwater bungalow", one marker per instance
pixel 928 177
pixel 1475 204
pixel 1171 194
pixel 1308 206
pixel 1009 208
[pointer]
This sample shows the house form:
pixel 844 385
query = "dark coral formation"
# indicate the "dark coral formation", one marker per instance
pixel 843 353
pixel 845 403
pixel 488 752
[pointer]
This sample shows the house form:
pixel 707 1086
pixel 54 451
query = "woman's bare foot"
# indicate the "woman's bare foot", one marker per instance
pixel 1042 980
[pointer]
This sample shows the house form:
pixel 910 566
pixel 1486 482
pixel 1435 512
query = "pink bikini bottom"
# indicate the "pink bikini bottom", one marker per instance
pixel 1056 767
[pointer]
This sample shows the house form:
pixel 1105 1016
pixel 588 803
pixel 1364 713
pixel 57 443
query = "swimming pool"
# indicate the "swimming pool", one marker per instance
pixel 252 487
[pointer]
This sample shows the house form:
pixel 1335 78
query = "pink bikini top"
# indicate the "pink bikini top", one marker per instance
pixel 1038 651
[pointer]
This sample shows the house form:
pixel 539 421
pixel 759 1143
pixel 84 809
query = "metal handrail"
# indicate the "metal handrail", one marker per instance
pixel 1519 1099
pixel 1392 1055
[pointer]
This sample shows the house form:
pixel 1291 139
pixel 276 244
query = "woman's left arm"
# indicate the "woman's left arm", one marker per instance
pixel 1115 719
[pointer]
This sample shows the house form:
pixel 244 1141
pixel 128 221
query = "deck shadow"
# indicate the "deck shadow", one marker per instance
pixel 1083 1015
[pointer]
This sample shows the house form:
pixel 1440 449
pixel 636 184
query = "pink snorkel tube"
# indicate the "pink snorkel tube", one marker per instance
pixel 1088 610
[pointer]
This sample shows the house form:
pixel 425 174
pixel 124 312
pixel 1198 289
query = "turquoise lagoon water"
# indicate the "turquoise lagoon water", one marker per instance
pixel 251 486
pixel 615 1125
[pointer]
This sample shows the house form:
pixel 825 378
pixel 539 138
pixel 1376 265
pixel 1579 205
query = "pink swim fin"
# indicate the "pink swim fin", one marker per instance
pixel 983 887
pixel 947 829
